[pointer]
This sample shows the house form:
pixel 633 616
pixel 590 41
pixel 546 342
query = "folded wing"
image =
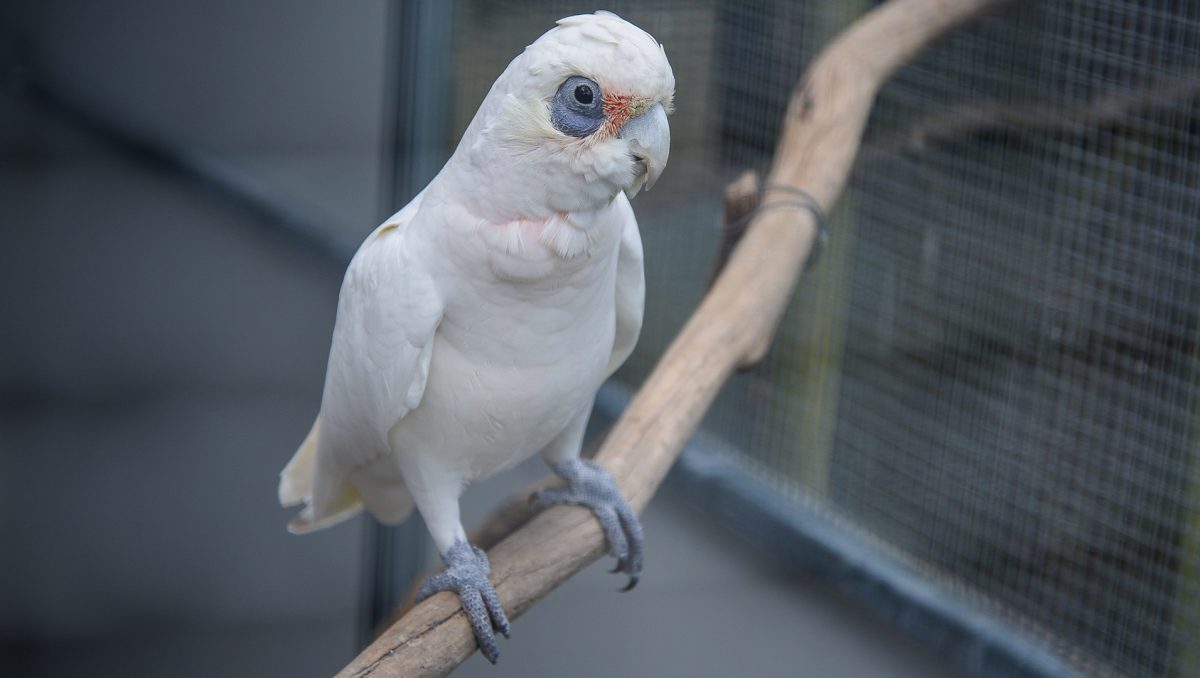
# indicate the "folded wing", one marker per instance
pixel 388 314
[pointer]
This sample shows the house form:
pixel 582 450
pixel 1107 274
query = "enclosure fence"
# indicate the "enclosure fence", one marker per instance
pixel 993 372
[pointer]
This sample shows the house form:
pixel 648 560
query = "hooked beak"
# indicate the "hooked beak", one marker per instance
pixel 649 138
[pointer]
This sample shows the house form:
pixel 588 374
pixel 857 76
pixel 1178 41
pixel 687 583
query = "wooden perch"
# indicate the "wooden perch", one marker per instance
pixel 732 327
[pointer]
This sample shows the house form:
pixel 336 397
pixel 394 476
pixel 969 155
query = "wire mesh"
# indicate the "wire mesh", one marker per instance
pixel 994 369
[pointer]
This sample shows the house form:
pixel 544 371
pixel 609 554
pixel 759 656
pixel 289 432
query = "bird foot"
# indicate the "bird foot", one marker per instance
pixel 467 575
pixel 590 485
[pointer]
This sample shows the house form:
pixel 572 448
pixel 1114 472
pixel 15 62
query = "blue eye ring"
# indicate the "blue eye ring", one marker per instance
pixel 577 108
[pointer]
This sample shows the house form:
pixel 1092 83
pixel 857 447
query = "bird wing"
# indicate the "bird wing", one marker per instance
pixel 388 313
pixel 631 291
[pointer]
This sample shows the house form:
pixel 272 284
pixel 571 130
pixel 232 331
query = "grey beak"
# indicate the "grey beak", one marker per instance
pixel 649 138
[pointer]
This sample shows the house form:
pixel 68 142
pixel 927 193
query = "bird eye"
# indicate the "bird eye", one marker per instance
pixel 575 109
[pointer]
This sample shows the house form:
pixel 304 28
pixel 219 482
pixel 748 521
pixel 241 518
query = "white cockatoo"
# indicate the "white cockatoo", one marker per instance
pixel 476 324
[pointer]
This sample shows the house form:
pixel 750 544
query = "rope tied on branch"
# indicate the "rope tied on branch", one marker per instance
pixel 745 201
pixel 804 201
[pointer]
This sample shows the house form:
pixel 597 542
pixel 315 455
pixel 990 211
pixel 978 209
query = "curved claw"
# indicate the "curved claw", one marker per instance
pixel 467 575
pixel 495 612
pixel 633 534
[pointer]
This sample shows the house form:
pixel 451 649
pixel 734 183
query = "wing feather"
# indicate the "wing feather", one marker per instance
pixel 631 293
pixel 388 314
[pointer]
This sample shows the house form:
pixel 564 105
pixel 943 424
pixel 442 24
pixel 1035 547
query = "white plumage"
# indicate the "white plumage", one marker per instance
pixel 475 325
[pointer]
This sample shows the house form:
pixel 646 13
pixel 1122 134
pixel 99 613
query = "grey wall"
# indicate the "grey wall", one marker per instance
pixel 287 95
pixel 161 353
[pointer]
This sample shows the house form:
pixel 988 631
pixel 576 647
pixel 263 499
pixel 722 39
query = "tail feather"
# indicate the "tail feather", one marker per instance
pixel 296 479
pixel 346 506
pixel 296 483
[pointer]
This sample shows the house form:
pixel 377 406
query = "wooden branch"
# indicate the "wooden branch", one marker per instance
pixel 1105 110
pixel 741 199
pixel 732 326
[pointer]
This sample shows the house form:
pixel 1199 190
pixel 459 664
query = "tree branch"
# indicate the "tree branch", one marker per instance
pixel 1105 110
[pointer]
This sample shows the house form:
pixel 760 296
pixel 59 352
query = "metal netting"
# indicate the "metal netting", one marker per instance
pixel 994 368
pixel 1021 343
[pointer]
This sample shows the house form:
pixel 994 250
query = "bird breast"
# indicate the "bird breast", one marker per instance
pixel 514 362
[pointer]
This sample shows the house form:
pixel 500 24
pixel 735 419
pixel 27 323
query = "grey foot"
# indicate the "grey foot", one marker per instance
pixel 467 575
pixel 590 485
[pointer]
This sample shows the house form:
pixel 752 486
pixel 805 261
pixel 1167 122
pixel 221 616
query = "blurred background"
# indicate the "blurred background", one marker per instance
pixel 973 450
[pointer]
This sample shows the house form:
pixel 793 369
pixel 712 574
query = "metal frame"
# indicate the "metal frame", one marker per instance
pixel 419 92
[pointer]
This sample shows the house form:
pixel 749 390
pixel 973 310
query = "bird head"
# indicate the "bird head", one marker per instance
pixel 575 119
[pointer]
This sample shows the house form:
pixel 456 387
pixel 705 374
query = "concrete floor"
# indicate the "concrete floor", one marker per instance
pixel 162 355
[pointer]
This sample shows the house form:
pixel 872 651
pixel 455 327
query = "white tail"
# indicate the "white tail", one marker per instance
pixel 296 487
pixel 296 479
